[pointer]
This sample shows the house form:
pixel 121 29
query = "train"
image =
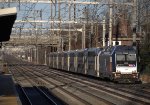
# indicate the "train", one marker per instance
pixel 116 63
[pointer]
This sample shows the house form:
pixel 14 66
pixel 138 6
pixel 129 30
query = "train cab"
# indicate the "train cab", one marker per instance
pixel 126 63
pixel 119 63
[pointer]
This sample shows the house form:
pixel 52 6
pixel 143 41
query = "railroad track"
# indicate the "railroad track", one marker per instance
pixel 119 87
pixel 95 88
pixel 123 87
pixel 61 87
pixel 34 94
pixel 124 93
pixel 103 90
pixel 141 97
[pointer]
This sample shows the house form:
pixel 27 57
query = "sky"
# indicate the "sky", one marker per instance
pixel 42 11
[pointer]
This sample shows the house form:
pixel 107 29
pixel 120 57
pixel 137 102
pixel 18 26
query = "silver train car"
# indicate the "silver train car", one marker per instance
pixel 117 63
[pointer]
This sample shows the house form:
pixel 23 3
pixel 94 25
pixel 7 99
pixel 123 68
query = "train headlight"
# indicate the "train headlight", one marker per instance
pixel 117 71
pixel 134 71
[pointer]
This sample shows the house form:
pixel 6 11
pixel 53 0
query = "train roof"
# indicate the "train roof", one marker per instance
pixel 119 49
pixel 125 50
pixel 94 49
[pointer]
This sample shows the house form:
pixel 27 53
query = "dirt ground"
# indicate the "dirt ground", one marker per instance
pixel 145 78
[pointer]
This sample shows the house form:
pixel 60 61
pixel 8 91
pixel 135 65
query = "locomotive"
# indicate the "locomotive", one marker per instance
pixel 117 63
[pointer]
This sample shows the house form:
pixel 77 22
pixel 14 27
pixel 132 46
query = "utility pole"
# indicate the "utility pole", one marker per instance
pixel 91 35
pixel 83 36
pixel 40 14
pixel 104 31
pixel 69 33
pixel 97 36
pixel 69 25
pixel 36 37
pixel 134 23
pixel 75 40
pixel 62 45
pixel 52 31
pixel 59 32
pixel 110 22
pixel 74 11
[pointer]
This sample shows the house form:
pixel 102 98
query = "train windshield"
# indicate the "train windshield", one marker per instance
pixel 126 60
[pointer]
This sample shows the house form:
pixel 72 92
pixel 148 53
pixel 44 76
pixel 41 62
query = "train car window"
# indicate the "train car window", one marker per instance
pixel 71 54
pixel 55 55
pixel 59 55
pixel 80 54
pixel 71 57
pixel 91 54
pixel 65 54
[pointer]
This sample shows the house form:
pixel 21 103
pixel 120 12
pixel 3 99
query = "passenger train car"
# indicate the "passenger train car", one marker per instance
pixel 117 63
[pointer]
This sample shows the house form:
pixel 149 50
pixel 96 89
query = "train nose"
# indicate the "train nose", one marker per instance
pixel 126 70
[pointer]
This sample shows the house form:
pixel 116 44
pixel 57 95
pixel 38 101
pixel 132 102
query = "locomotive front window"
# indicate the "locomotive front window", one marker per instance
pixel 120 57
pixel 126 60
pixel 131 57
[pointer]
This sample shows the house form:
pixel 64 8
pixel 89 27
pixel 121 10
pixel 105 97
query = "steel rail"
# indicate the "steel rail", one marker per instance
pixel 37 88
pixel 141 99
pixel 71 94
